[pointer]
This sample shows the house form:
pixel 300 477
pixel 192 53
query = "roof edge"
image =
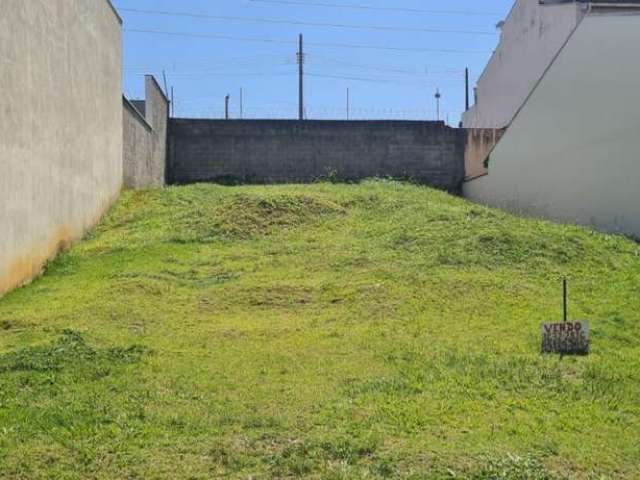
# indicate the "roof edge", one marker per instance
pixel 613 7
pixel 115 12
pixel 154 80
pixel 141 118
pixel 511 13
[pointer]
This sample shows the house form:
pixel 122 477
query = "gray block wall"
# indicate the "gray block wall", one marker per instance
pixel 277 151
pixel 145 137
pixel 61 127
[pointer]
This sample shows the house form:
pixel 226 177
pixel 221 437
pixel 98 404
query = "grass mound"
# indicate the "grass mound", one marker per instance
pixel 69 351
pixel 378 330
pixel 202 215
pixel 244 216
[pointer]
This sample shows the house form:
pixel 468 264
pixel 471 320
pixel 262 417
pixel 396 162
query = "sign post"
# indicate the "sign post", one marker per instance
pixel 566 338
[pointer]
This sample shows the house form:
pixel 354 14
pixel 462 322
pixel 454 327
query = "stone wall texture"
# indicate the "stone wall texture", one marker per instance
pixel 145 138
pixel 61 127
pixel 278 151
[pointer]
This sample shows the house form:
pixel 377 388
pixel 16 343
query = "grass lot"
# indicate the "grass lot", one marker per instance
pixel 328 331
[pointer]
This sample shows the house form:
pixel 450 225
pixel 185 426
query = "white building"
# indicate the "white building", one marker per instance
pixel 564 82
pixel 531 36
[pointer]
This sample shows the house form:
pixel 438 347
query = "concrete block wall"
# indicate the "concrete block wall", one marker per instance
pixel 61 127
pixel 278 151
pixel 145 137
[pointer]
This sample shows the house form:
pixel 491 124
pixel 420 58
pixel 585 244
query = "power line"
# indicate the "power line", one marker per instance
pixel 307 24
pixel 344 77
pixel 210 36
pixel 397 49
pixel 240 62
pixel 282 59
pixel 365 67
pixel 372 79
pixel 291 42
pixel 379 80
pixel 449 71
pixel 142 69
pixel 335 75
pixel 338 75
pixel 383 9
pixel 277 60
pixel 223 74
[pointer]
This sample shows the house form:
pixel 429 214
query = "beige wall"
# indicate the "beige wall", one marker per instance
pixel 61 127
pixel 480 144
pixel 145 138
pixel 531 37
pixel 573 151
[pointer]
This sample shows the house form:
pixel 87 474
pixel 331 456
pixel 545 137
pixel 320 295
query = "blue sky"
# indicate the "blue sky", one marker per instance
pixel 383 83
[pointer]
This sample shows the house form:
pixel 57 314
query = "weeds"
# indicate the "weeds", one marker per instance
pixel 513 468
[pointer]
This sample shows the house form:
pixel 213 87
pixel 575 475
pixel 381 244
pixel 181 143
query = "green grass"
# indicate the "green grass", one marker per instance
pixel 379 330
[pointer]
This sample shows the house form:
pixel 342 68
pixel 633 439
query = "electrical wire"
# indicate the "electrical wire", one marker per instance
pixel 449 71
pixel 240 62
pixel 379 9
pixel 282 60
pixel 224 74
pixel 337 76
pixel 308 24
pixel 372 79
pixel 290 42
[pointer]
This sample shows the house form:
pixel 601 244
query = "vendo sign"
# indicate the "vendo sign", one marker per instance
pixel 566 338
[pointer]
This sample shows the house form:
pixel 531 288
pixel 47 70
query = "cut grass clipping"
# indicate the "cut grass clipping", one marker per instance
pixel 380 330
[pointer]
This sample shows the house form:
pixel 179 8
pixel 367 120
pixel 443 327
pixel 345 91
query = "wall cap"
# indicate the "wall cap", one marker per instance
pixel 426 123
pixel 157 85
pixel 136 113
pixel 115 12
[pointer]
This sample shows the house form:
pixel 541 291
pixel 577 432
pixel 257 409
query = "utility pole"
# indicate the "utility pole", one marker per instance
pixel 300 80
pixel 438 97
pixel 173 104
pixel 348 104
pixel 164 78
pixel 226 107
pixel 241 104
pixel 466 89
